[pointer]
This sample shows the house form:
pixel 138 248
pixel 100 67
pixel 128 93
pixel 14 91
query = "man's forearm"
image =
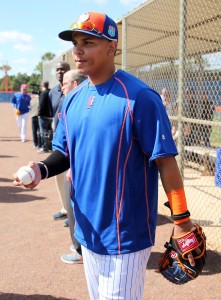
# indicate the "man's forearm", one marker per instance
pixel 54 164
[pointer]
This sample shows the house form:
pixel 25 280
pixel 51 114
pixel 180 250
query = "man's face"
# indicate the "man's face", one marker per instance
pixel 203 96
pixel 24 91
pixel 91 53
pixel 164 92
pixel 67 85
pixel 60 70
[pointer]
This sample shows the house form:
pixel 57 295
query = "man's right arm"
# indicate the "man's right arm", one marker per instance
pixel 13 102
pixel 54 164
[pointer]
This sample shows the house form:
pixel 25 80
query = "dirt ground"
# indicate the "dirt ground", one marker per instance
pixel 32 242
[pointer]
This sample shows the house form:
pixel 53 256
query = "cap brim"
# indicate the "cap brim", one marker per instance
pixel 67 35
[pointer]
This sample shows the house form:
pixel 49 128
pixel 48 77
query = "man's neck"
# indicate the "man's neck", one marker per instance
pixel 101 78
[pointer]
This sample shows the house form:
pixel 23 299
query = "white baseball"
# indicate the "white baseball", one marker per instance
pixel 26 175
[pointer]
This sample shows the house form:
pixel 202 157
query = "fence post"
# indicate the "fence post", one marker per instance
pixel 181 80
pixel 124 44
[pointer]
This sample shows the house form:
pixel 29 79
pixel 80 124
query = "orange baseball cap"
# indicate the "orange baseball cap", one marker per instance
pixel 92 23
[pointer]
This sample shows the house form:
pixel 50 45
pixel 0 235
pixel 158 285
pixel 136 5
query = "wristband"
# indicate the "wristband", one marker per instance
pixel 178 206
pixel 177 222
pixel 44 170
pixel 181 216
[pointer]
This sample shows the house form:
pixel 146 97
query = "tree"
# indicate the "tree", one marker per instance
pixel 46 57
pixel 4 82
pixel 5 68
pixel 33 81
pixel 20 79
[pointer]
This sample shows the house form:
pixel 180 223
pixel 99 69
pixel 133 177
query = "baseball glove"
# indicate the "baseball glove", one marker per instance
pixel 174 264
pixel 17 112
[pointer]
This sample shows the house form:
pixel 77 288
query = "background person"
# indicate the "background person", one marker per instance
pixel 71 80
pixel 34 120
pixel 169 104
pixel 206 110
pixel 56 97
pixel 45 117
pixel 190 110
pixel 21 105
pixel 164 96
pixel 170 107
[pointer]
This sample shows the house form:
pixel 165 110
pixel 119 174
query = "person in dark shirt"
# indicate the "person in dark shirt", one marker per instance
pixel 190 110
pixel 34 106
pixel 56 98
pixel 45 117
pixel 206 110
pixel 56 95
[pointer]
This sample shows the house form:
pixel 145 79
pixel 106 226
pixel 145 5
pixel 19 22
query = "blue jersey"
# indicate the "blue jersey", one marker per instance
pixel 112 133
pixel 21 102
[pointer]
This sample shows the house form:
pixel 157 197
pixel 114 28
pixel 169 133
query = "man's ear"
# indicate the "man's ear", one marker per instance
pixel 75 83
pixel 112 48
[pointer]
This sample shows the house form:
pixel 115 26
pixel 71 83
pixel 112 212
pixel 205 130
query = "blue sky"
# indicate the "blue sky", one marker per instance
pixel 29 29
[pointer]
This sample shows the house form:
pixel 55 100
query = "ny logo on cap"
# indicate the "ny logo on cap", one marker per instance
pixel 111 31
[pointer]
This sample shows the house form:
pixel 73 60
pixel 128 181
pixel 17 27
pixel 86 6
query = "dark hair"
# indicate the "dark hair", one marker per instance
pixel 64 64
pixel 205 93
pixel 190 91
pixel 45 84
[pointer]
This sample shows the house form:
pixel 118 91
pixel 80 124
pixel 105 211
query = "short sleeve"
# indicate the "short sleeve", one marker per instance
pixel 152 127
pixel 60 139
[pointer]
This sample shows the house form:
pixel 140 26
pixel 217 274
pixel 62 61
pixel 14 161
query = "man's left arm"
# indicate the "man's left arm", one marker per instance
pixel 187 239
pixel 173 185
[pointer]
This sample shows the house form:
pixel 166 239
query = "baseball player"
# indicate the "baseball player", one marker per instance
pixel 115 134
pixel 21 105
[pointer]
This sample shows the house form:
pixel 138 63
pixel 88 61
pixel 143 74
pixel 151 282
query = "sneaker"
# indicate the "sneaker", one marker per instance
pixel 66 223
pixel 72 258
pixel 59 216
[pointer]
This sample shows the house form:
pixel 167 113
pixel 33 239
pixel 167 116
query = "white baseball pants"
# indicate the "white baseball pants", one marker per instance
pixel 119 277
pixel 22 124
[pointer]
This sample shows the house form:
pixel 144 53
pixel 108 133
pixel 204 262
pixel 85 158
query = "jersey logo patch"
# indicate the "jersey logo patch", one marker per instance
pixel 90 101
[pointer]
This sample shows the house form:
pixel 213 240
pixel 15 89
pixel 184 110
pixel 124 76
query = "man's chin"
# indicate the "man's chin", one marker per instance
pixel 81 70
pixel 59 78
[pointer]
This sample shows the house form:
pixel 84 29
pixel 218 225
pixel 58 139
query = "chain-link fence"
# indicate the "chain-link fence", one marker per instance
pixel 175 47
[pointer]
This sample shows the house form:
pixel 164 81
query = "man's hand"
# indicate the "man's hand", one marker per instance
pixel 36 181
pixel 17 112
pixel 182 229
pixel 185 256
pixel 68 175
